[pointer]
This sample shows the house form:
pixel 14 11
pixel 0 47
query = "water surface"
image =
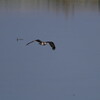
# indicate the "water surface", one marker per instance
pixel 34 72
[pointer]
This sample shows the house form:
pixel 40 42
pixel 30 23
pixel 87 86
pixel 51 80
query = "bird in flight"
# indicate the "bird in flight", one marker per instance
pixel 19 39
pixel 44 43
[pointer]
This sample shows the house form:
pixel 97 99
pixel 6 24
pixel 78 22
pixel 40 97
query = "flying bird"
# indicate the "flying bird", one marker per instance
pixel 44 43
pixel 19 39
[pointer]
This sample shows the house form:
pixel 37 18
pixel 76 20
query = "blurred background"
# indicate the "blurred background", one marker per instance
pixel 34 72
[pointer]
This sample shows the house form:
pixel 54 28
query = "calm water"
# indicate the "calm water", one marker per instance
pixel 72 71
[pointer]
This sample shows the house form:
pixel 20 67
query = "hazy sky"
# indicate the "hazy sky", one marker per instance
pixel 34 72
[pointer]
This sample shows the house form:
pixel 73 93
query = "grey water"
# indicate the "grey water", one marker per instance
pixel 34 72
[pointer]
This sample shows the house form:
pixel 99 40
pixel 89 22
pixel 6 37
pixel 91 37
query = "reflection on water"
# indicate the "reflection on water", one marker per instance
pixel 66 6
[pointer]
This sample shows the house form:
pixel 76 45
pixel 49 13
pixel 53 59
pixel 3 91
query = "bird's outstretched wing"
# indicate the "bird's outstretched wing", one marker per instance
pixel 34 41
pixel 38 40
pixel 52 45
pixel 29 43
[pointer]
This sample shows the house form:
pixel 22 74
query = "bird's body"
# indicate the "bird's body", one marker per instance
pixel 44 43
